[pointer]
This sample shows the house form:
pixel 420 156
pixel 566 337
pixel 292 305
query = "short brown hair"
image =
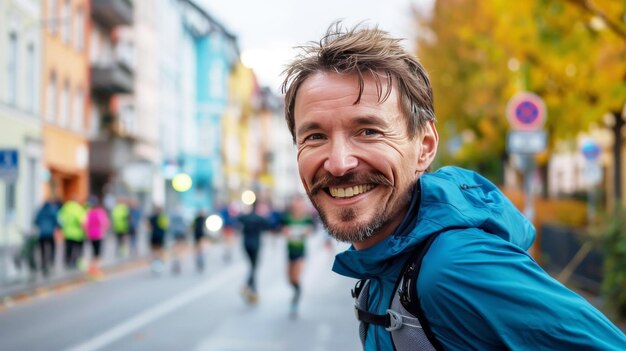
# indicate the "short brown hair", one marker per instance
pixel 363 50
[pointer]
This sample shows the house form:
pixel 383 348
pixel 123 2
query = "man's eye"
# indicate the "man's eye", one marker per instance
pixel 370 132
pixel 316 136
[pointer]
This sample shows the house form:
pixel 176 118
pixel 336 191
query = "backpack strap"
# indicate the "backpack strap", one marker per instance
pixel 409 294
pixel 360 293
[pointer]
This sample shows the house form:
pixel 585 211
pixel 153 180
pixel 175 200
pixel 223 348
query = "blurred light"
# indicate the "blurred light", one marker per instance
pixel 513 64
pixel 597 23
pixel 570 70
pixel 609 120
pixel 248 197
pixel 182 182
pixel 248 58
pixel 454 145
pixel 468 136
pixel 214 223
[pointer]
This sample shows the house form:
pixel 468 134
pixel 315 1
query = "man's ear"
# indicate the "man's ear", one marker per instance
pixel 428 142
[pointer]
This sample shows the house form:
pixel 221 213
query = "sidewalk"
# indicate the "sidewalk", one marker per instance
pixel 23 283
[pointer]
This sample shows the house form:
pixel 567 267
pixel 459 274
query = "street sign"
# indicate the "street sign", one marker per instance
pixel 526 111
pixel 526 142
pixel 9 162
pixel 590 150
pixel 592 173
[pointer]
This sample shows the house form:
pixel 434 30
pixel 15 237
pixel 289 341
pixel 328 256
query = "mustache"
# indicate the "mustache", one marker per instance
pixel 327 180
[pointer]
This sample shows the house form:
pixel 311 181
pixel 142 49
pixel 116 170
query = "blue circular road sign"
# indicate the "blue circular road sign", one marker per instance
pixel 591 150
pixel 526 111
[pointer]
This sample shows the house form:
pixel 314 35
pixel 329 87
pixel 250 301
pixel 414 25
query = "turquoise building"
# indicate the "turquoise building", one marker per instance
pixel 208 53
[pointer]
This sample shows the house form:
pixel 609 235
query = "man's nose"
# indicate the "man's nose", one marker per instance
pixel 341 159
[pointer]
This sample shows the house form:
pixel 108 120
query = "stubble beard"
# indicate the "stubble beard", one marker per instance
pixel 356 232
pixel 349 229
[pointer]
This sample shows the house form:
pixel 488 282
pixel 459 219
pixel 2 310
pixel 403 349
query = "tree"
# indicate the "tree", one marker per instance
pixel 479 53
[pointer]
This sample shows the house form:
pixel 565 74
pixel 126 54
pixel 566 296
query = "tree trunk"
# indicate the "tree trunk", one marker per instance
pixel 617 157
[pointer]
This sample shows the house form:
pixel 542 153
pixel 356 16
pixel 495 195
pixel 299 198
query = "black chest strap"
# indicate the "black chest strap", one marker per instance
pixel 406 288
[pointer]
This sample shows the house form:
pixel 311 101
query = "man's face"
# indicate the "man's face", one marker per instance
pixel 356 162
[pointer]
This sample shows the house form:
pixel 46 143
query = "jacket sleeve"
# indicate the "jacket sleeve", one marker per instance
pixel 37 219
pixel 481 292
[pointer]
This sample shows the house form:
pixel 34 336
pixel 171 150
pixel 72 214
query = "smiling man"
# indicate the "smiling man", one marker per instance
pixel 354 155
pixel 360 109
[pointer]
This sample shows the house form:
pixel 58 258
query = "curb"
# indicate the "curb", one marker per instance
pixel 26 290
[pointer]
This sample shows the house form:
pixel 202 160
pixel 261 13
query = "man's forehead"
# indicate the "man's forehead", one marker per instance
pixel 332 86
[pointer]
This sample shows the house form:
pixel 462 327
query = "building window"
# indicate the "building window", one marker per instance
pixel 53 16
pixel 65 100
pixel 31 77
pixel 216 42
pixel 79 110
pixel 79 28
pixel 217 79
pixel 65 21
pixel 94 122
pixel 12 69
pixel 51 98
pixel 127 118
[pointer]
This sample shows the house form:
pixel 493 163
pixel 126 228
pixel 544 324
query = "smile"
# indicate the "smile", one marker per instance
pixel 349 191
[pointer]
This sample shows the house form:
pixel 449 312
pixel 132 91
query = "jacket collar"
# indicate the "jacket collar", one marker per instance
pixel 375 261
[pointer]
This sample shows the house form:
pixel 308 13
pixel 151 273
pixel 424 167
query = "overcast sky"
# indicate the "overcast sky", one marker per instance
pixel 267 30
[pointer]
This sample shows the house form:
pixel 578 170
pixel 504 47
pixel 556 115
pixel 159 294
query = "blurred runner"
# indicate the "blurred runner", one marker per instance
pixel 178 229
pixel 229 214
pixel 134 222
pixel 71 217
pixel 47 222
pixel 158 223
pixel 121 223
pixel 199 233
pixel 297 224
pixel 252 225
pixel 96 226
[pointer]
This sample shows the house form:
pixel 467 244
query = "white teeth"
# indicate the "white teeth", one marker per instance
pixel 350 191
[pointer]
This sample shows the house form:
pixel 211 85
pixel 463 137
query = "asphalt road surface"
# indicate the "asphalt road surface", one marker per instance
pixel 137 310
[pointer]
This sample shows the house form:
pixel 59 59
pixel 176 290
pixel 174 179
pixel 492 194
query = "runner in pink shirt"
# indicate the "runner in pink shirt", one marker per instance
pixel 96 225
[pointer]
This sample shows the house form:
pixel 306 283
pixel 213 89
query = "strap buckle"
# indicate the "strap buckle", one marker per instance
pixel 395 320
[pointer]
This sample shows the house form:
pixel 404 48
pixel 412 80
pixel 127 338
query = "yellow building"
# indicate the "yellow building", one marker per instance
pixel 65 91
pixel 241 140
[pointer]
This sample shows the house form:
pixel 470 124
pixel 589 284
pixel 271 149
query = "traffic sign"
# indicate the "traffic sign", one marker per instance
pixel 590 149
pixel 592 173
pixel 526 111
pixel 9 162
pixel 526 142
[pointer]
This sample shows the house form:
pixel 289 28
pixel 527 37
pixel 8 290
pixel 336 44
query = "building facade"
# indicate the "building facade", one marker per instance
pixel 21 154
pixel 111 65
pixel 65 92
pixel 199 54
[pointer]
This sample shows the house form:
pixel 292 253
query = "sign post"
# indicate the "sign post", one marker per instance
pixel 592 173
pixel 526 113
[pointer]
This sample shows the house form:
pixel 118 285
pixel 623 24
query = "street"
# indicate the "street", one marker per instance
pixel 136 310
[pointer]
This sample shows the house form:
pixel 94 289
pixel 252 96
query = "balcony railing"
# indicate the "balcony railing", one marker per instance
pixel 112 78
pixel 111 13
pixel 108 155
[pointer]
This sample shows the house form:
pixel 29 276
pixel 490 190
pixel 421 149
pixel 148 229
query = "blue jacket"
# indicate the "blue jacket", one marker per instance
pixel 46 219
pixel 479 288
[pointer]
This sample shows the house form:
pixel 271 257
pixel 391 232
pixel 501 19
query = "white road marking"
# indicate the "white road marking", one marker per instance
pixel 158 311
